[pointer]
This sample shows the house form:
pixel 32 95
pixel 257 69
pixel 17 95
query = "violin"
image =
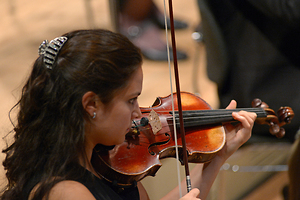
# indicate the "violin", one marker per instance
pixel 152 138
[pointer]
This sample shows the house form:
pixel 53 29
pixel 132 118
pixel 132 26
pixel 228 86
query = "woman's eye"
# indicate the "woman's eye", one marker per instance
pixel 131 101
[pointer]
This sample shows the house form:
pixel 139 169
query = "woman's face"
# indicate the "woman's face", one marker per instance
pixel 114 120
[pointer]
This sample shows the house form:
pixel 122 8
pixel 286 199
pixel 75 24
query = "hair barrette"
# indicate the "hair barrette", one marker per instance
pixel 51 49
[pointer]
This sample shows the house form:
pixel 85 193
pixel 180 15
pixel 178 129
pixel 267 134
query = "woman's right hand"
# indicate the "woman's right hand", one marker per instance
pixel 192 195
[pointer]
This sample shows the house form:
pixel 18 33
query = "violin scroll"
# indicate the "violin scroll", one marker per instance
pixel 284 116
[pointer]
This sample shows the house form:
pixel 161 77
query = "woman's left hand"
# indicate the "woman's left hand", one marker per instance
pixel 237 135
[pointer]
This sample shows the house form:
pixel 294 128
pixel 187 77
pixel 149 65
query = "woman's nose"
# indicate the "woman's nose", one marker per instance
pixel 137 112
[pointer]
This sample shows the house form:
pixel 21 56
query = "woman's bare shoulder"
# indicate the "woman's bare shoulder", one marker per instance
pixel 69 190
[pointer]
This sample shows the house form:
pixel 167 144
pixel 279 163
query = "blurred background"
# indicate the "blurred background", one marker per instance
pixel 25 24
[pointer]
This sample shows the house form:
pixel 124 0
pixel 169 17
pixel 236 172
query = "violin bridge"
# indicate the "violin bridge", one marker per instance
pixel 154 122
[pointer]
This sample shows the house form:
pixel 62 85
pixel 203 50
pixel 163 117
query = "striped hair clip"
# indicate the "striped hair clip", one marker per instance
pixel 51 49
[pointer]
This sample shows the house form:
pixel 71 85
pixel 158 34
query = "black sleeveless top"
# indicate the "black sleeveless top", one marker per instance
pixel 101 189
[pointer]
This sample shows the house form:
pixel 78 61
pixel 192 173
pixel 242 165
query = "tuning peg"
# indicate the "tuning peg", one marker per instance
pixel 274 128
pixel 257 103
pixel 281 133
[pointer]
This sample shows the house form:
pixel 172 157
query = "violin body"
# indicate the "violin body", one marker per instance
pixel 153 137
pixel 139 155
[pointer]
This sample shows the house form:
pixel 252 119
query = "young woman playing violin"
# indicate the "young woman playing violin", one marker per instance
pixel 83 91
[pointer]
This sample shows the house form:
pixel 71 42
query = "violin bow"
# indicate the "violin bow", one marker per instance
pixel 176 73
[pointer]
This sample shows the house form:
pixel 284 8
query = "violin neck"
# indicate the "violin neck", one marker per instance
pixel 194 118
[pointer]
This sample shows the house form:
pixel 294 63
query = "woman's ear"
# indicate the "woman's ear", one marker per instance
pixel 89 102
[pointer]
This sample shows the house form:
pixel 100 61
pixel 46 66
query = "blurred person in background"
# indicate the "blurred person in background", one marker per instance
pixel 141 22
pixel 253 51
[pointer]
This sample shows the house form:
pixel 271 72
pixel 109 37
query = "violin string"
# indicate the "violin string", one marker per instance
pixel 217 111
pixel 209 117
pixel 225 110
pixel 221 112
pixel 173 108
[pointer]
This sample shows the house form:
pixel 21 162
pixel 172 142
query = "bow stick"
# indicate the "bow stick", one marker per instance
pixel 182 130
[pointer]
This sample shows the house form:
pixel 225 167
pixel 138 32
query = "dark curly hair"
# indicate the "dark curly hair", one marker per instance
pixel 49 133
